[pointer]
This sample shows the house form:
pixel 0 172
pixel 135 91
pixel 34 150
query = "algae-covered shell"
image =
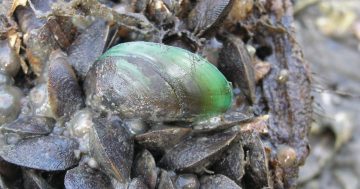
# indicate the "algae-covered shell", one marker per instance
pixel 156 82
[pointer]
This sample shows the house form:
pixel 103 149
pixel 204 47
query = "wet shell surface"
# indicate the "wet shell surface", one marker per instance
pixel 156 82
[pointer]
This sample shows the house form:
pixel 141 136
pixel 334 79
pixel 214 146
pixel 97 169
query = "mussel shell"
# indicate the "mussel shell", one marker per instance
pixel 65 94
pixel 39 101
pixel 165 181
pixel 86 178
pixel 257 170
pixel 88 46
pixel 137 183
pixel 236 63
pixel 27 20
pixel 196 153
pixel 187 181
pixel 156 82
pixel 50 153
pixel 9 60
pixel 233 163
pixel 62 29
pixel 217 181
pixel 10 105
pixel 38 39
pixel 30 126
pixel 208 14
pixel 41 7
pixel 222 122
pixel 112 148
pixel 145 168
pixel 162 138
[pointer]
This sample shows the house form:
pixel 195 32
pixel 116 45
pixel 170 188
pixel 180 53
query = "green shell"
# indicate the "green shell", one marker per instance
pixel 156 82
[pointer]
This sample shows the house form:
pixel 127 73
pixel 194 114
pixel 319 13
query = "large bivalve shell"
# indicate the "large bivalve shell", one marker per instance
pixel 156 82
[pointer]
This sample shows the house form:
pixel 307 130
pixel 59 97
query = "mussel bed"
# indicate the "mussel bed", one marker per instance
pixel 160 113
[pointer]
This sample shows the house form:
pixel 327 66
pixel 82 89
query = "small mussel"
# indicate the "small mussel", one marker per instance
pixel 217 181
pixel 38 38
pixel 197 153
pixel 145 168
pixel 165 181
pixel 65 95
pixel 236 64
pixel 187 181
pixel 156 82
pixel 86 178
pixel 9 103
pixel 137 183
pixel 208 14
pixel 30 126
pixel 257 170
pixel 39 100
pixel 162 138
pixel 112 148
pixel 233 163
pixel 88 47
pixel 9 61
pixel 49 153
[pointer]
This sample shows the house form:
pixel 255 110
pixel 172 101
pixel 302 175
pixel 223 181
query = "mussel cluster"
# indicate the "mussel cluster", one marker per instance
pixel 140 94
